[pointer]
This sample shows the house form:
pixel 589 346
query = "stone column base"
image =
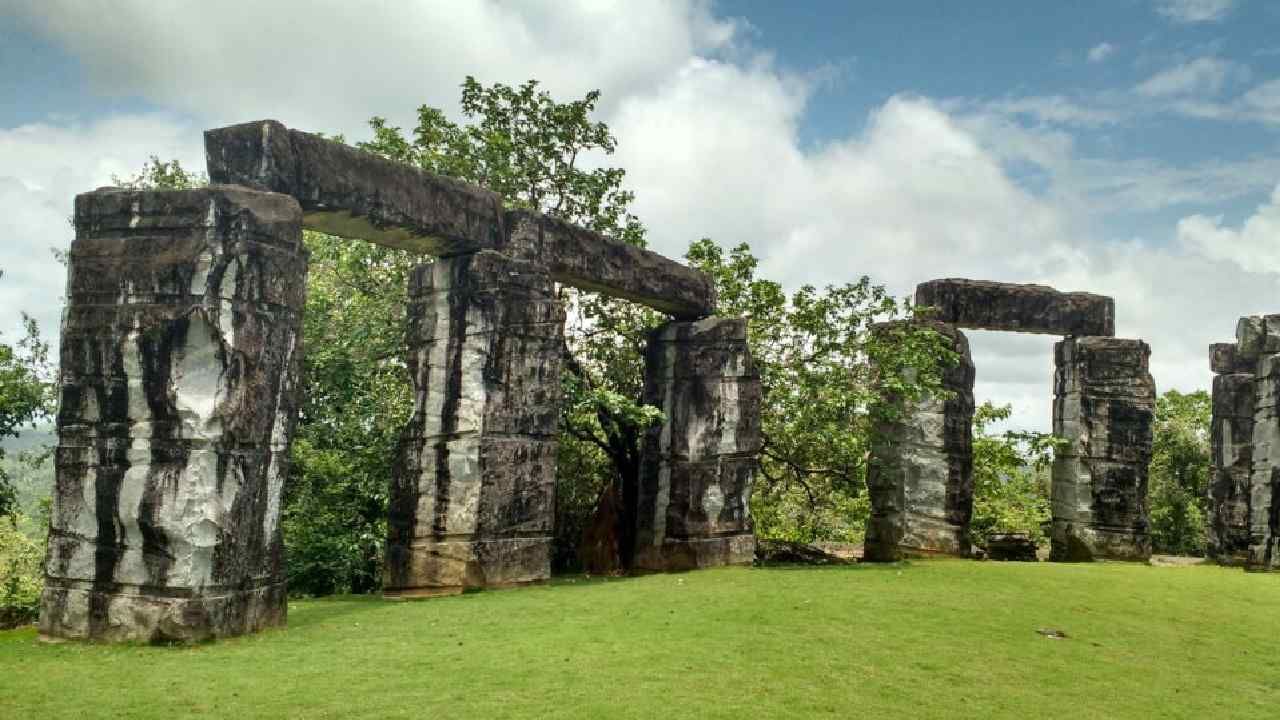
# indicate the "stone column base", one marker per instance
pixel 448 567
pixel 138 615
pixel 697 553
pixel 1071 542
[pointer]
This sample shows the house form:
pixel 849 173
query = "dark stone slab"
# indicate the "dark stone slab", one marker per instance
pixel 698 466
pixel 1016 547
pixel 351 193
pixel 180 354
pixel 588 260
pixel 987 305
pixel 1231 439
pixel 1226 358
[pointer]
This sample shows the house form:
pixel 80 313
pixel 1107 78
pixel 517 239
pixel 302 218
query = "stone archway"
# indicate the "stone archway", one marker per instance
pixel 919 474
pixel 180 359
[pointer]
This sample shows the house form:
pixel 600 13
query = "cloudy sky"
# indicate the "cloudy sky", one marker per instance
pixel 1123 147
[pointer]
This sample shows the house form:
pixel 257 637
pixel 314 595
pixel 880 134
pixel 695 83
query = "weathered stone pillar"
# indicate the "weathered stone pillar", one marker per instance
pixel 1231 435
pixel 697 467
pixel 1104 403
pixel 1258 343
pixel 920 471
pixel 472 496
pixel 179 374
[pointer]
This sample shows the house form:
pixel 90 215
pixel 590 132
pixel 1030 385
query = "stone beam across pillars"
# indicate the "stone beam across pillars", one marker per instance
pixel 697 467
pixel 1231 438
pixel 1104 403
pixel 920 471
pixel 986 305
pixel 472 499
pixel 180 354
pixel 351 193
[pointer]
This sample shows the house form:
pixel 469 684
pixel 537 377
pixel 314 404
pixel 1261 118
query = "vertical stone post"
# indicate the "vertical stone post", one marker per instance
pixel 697 467
pixel 1258 344
pixel 180 352
pixel 472 496
pixel 920 472
pixel 1231 437
pixel 1104 403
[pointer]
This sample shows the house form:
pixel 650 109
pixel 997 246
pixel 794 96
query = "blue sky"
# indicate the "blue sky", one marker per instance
pixel 1129 147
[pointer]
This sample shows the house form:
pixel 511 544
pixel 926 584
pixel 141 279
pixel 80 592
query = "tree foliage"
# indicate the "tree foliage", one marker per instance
pixel 1179 474
pixel 1010 477
pixel 822 371
pixel 26 394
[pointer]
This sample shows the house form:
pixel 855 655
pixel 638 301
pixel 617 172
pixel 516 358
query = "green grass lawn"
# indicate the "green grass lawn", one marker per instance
pixel 926 640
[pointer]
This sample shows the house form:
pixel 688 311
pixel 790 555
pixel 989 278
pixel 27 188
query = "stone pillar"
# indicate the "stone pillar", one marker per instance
pixel 920 471
pixel 697 467
pixel 1231 435
pixel 472 495
pixel 1258 346
pixel 1104 403
pixel 180 354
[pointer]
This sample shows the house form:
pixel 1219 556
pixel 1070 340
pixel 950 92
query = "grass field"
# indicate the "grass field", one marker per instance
pixel 925 640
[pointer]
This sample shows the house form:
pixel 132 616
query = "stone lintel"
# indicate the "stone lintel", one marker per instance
pixel 987 305
pixel 351 193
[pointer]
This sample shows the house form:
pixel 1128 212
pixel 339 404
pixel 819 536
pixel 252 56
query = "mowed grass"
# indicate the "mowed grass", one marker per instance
pixel 929 639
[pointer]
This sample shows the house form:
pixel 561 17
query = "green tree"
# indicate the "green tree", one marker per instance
pixel 1010 477
pixel 821 372
pixel 26 395
pixel 1179 474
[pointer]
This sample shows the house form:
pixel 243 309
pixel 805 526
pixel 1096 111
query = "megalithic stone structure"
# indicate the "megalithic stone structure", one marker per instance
pixel 1244 489
pixel 697 466
pixel 1231 439
pixel 472 500
pixel 920 470
pixel 1104 404
pixel 180 352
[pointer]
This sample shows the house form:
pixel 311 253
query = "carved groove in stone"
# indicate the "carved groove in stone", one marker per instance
pixel 180 354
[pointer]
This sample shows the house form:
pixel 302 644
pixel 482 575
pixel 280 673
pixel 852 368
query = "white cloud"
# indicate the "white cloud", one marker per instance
pixel 1101 52
pixel 1254 247
pixel 1194 11
pixel 1205 76
pixel 328 65
pixel 42 168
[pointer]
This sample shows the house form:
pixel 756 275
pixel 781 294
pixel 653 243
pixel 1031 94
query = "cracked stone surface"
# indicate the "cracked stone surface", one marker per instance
pixel 1104 404
pixel 472 497
pixel 180 353
pixel 697 467
pixel 920 471
pixel 351 193
pixel 986 305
